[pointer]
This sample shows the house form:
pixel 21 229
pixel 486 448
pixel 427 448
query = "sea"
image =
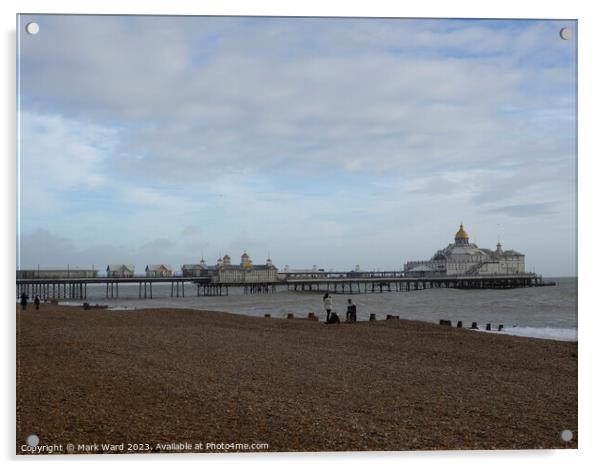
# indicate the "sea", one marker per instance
pixel 544 312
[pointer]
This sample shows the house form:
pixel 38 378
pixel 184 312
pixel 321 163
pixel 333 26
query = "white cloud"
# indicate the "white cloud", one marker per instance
pixel 63 151
pixel 156 198
pixel 353 98
pixel 255 130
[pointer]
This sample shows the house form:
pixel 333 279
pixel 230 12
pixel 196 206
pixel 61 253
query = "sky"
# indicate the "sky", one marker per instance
pixel 317 141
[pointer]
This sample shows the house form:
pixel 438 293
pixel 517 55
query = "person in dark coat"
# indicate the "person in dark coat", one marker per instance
pixel 24 299
pixel 37 302
pixel 351 311
pixel 333 318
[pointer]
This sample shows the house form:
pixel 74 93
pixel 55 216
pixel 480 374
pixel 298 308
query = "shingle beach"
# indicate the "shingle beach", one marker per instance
pixel 160 378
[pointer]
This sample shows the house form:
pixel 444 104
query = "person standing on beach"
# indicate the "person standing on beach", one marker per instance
pixel 351 311
pixel 24 299
pixel 327 305
pixel 37 302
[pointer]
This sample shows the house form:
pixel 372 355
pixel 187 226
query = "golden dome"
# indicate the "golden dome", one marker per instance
pixel 461 233
pixel 226 257
pixel 244 255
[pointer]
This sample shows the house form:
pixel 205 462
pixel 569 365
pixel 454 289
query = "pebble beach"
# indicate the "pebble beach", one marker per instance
pixel 163 378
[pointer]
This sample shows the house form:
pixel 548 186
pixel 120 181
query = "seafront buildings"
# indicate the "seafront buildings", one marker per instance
pixel 465 258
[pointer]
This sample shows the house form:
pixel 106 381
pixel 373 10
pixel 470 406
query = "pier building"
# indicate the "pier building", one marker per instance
pixel 224 271
pixel 465 258
pixel 195 270
pixel 158 270
pixel 120 270
pixel 56 273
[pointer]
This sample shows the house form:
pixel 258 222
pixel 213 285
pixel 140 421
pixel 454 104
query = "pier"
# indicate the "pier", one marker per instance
pixel 77 288
pixel 332 282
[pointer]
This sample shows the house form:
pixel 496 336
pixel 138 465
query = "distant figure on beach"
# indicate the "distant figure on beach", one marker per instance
pixel 327 305
pixel 37 302
pixel 351 311
pixel 24 299
pixel 333 318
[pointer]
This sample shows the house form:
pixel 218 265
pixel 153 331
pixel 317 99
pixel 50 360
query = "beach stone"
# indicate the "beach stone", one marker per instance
pixel 372 317
pixel 267 315
pixel 460 324
pixel 474 326
pixel 500 327
pixel 445 322
pixel 290 316
pixel 488 326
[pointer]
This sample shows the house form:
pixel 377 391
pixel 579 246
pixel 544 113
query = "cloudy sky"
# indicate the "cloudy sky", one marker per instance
pixel 333 142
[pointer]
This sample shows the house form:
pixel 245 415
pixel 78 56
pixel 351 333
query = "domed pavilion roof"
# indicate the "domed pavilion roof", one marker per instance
pixel 461 234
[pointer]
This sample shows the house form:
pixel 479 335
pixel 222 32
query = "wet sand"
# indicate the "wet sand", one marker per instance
pixel 182 376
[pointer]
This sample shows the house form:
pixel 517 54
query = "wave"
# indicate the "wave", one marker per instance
pixel 552 333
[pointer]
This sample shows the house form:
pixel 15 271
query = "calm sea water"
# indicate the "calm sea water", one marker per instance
pixel 546 312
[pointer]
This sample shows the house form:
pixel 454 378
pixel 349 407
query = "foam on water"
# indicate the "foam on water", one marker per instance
pixel 568 335
pixel 111 308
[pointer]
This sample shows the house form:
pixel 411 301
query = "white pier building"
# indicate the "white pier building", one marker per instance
pixel 465 258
